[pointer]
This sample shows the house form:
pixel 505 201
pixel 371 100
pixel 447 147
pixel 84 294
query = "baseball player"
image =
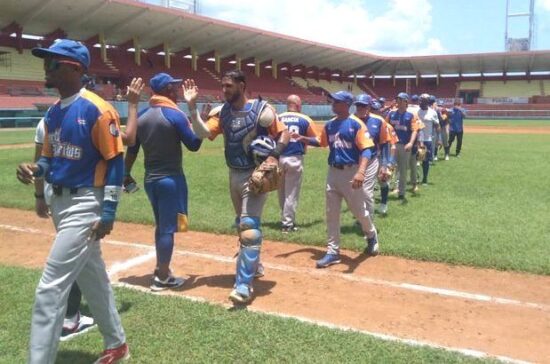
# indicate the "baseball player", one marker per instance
pixel 74 321
pixel 82 159
pixel 436 132
pixel 240 120
pixel 413 108
pixel 428 116
pixel 456 126
pixel 349 158
pixel 162 127
pixel 386 157
pixel 302 133
pixel 444 134
pixel 377 132
pixel 406 127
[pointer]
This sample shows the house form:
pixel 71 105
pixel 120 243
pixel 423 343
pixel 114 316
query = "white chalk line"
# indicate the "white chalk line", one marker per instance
pixel 385 337
pixel 328 273
pixel 124 265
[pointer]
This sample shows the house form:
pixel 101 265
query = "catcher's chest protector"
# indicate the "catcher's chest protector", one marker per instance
pixel 236 126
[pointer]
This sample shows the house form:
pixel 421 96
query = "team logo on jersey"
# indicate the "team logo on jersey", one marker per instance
pixel 113 129
pixel 338 142
pixel 81 121
pixel 64 149
pixel 237 123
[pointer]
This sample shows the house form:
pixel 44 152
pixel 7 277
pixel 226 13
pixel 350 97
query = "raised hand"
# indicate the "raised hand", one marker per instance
pixel 190 92
pixel 205 111
pixel 133 91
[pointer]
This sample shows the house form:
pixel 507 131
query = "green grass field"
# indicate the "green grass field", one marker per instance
pixel 487 209
pixel 163 329
pixel 16 136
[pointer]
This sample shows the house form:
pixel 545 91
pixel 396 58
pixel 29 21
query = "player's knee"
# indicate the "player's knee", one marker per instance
pixel 250 233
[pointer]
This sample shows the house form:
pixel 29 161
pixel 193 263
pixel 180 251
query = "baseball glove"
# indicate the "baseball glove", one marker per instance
pixel 385 173
pixel 421 154
pixel 266 177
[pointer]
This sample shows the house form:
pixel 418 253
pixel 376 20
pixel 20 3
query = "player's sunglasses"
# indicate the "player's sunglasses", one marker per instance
pixel 51 64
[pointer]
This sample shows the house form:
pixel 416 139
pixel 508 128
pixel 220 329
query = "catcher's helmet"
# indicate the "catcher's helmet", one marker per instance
pixel 260 148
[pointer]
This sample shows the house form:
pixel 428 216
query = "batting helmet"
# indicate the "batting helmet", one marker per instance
pixel 260 148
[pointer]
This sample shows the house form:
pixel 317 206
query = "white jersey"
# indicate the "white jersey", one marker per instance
pixel 413 109
pixel 40 132
pixel 39 139
pixel 429 118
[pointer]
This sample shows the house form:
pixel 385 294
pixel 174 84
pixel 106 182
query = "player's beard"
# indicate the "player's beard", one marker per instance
pixel 233 98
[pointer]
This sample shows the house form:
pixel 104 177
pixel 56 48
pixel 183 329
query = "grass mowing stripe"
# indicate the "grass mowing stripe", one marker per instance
pixel 480 210
pixel 164 329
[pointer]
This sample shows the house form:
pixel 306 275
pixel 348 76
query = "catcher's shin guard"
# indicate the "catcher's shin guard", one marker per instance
pixel 249 254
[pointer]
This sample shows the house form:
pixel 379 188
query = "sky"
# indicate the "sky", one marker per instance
pixel 391 27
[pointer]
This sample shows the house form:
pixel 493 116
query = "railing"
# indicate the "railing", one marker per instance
pixel 508 114
pixel 190 6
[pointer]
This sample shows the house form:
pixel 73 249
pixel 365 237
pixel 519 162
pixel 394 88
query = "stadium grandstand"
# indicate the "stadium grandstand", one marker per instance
pixel 129 38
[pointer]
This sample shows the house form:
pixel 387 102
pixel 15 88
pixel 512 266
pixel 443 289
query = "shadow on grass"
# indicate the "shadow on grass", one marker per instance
pixel 124 307
pixel 276 225
pixel 261 287
pixel 316 254
pixel 75 357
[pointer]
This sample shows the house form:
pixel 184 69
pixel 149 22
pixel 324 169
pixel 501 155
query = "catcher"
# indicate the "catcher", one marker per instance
pixel 240 121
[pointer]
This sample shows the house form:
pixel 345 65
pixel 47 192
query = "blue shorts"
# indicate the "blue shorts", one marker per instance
pixel 168 197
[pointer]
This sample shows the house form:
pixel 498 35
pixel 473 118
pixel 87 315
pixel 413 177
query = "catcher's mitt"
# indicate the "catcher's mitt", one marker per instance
pixel 385 173
pixel 421 154
pixel 265 178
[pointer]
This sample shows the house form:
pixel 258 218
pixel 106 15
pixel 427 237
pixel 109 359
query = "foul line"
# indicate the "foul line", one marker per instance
pixel 314 272
pixel 411 342
pixel 121 266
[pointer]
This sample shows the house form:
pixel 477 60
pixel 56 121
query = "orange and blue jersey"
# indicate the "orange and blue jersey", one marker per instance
pixel 79 140
pixel 377 131
pixel 404 125
pixel 300 124
pixel 214 124
pixel 347 141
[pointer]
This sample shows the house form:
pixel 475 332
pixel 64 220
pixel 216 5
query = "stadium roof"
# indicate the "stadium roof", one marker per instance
pixel 121 21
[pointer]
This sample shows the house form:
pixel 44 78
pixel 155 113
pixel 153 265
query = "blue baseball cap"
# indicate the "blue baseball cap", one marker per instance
pixel 161 80
pixel 342 96
pixel 403 96
pixel 65 48
pixel 432 99
pixel 414 98
pixel 363 99
pixel 382 100
pixel 375 105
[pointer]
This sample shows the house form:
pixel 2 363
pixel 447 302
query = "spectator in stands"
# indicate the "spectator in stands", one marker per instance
pixel 456 126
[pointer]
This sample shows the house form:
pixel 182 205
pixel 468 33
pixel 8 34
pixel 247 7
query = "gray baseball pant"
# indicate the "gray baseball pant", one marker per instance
pixel 338 187
pixel 289 190
pixel 245 202
pixel 73 256
pixel 403 159
pixel 371 176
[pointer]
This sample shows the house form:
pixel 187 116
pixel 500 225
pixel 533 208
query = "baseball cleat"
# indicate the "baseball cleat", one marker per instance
pixel 168 283
pixel 241 294
pixel 260 272
pixel 75 325
pixel 328 260
pixel 289 229
pixel 116 355
pixel 372 246
pixel 446 157
pixel 383 209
